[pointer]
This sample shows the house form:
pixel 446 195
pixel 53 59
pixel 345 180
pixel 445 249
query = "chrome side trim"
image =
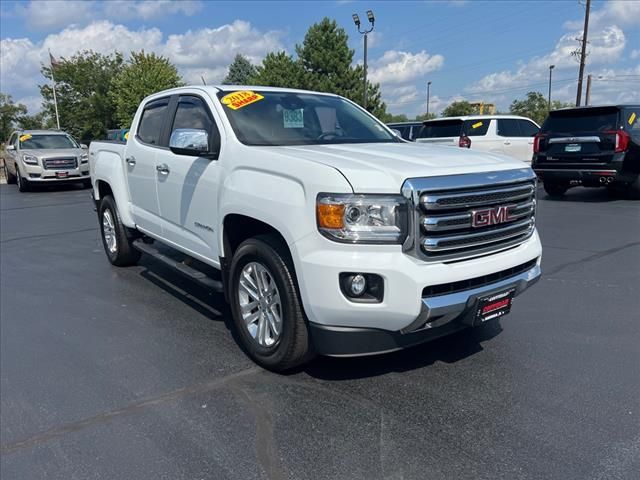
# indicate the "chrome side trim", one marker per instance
pixel 590 138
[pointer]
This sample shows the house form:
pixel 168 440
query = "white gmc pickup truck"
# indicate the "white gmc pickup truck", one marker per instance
pixel 330 234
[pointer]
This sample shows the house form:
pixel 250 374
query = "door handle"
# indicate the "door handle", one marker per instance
pixel 131 160
pixel 507 142
pixel 163 168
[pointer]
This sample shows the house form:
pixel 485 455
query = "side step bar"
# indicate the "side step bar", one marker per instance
pixel 187 271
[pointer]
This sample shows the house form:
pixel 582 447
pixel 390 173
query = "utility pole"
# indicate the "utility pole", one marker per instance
pixel 365 32
pixel 583 52
pixel 588 94
pixel 551 67
pixel 428 92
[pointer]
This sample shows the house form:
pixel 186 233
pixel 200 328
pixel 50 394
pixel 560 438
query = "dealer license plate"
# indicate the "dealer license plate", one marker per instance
pixel 573 147
pixel 494 306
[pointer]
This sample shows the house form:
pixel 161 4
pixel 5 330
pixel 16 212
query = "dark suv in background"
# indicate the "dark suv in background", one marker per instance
pixel 589 146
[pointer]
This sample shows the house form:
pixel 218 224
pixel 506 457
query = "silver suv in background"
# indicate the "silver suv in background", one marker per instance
pixel 45 156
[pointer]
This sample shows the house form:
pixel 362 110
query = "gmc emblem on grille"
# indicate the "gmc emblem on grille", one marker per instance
pixel 491 216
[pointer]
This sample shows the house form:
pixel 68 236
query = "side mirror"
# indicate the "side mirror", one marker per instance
pixel 11 147
pixel 83 146
pixel 190 141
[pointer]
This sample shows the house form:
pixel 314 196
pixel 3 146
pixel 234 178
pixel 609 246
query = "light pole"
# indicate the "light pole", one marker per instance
pixel 428 91
pixel 551 67
pixel 365 32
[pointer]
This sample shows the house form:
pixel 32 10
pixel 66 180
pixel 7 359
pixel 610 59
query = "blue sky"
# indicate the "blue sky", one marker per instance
pixel 492 51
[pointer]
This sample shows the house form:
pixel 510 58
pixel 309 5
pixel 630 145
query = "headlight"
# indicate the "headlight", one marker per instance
pixel 362 218
pixel 84 158
pixel 30 159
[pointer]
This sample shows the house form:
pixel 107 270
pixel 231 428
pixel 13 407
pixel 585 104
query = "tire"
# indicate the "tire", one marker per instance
pixel 259 336
pixel 117 243
pixel 633 190
pixel 23 185
pixel 555 189
pixel 11 178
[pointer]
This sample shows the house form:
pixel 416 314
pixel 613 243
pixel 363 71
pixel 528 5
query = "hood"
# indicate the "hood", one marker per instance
pixel 383 167
pixel 52 152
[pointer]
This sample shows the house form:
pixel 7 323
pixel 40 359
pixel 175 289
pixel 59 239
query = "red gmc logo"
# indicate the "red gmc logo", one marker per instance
pixel 491 216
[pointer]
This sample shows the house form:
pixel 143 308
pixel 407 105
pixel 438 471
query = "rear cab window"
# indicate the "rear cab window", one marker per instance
pixel 151 122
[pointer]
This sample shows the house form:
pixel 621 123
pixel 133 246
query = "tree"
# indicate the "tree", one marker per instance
pixel 83 83
pixel 279 70
pixel 144 74
pixel 327 63
pixel 240 71
pixel 457 109
pixel 36 121
pixel 9 114
pixel 535 107
pixel 426 116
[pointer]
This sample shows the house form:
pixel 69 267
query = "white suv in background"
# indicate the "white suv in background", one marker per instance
pixel 507 134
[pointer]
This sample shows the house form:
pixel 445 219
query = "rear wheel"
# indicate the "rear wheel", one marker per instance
pixel 555 189
pixel 23 185
pixel 267 312
pixel 118 245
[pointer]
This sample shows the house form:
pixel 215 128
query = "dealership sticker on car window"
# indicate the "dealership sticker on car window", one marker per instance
pixel 632 118
pixel 24 138
pixel 476 125
pixel 240 99
pixel 293 118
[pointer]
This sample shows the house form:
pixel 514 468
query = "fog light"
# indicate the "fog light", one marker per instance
pixel 357 285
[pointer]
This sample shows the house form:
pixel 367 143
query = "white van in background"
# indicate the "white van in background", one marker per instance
pixel 507 134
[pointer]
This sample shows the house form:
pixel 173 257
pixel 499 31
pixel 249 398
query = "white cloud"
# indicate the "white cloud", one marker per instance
pixel 620 12
pixel 634 54
pixel 396 67
pixel 205 52
pixel 50 14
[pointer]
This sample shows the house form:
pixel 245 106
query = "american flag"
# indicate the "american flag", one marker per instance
pixel 54 63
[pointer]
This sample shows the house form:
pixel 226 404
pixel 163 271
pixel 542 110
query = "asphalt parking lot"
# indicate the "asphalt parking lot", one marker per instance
pixel 121 374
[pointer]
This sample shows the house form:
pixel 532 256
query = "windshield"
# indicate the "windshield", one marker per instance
pixel 33 142
pixel 583 120
pixel 441 128
pixel 286 118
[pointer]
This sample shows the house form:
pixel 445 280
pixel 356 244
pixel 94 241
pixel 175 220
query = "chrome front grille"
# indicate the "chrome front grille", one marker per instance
pixel 462 216
pixel 60 163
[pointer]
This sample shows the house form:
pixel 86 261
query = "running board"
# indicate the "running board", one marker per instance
pixel 187 271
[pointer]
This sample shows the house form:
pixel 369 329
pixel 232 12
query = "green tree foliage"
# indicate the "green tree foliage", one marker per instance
pixel 457 109
pixel 426 116
pixel 279 70
pixel 36 121
pixel 240 71
pixel 324 64
pixel 10 112
pixel 143 75
pixel 83 83
pixel 535 106
pixel 390 118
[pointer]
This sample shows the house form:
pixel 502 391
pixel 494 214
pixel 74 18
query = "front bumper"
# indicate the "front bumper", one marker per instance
pixel 443 314
pixel 403 317
pixel 38 174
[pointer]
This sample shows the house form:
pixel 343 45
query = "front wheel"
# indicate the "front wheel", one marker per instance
pixel 23 184
pixel 117 243
pixel 268 316
pixel 555 189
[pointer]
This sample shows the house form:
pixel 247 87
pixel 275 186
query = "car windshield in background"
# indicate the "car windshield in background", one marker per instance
pixel 441 128
pixel 34 142
pixel 286 118
pixel 584 120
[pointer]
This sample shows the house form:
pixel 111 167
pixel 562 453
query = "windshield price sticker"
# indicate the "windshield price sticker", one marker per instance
pixel 476 125
pixel 240 99
pixel 26 137
pixel 293 118
pixel 632 118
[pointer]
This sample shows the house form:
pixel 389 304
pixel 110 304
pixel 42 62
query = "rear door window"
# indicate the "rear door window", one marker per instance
pixel 476 128
pixel 152 120
pixel 508 127
pixel 442 128
pixel 632 120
